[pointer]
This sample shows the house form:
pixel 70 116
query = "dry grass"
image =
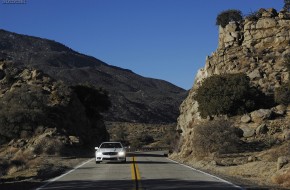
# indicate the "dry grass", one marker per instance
pixel 8 167
pixel 23 163
pixel 50 146
pixel 25 160
pixel 282 178
pixel 215 137
pixel 274 153
pixel 255 162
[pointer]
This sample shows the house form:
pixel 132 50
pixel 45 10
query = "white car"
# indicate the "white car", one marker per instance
pixel 110 151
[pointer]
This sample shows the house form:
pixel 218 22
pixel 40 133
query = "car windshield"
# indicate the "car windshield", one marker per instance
pixel 111 145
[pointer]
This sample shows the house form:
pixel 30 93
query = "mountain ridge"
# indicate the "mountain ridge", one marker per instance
pixel 135 98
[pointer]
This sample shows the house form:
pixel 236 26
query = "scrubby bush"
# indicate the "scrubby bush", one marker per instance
pixel 254 16
pixel 286 5
pixel 94 100
pixel 49 146
pixel 146 139
pixel 11 165
pixel 121 135
pixel 4 165
pixel 227 94
pixel 135 143
pixel 227 16
pixel 282 178
pixel 141 140
pixel 282 94
pixel 22 110
pixel 54 147
pixel 215 137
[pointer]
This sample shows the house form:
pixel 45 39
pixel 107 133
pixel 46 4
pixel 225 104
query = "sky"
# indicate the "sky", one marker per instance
pixel 162 39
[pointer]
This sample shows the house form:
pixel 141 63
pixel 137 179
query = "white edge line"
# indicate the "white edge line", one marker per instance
pixel 218 178
pixel 56 178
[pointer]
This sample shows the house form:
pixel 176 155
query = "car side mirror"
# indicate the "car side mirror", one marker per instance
pixel 96 148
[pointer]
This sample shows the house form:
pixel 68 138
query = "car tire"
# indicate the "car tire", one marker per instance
pixel 125 161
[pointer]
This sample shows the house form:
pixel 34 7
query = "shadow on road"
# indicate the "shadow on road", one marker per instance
pixel 139 162
pixel 146 154
pixel 123 184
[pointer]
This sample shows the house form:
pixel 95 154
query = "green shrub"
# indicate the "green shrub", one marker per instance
pixel 227 16
pixel 282 94
pixel 94 100
pixel 227 94
pixel 22 109
pixel 215 137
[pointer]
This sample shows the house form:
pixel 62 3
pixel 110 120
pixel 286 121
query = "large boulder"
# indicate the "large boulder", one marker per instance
pixel 255 74
pixel 260 115
pixel 265 23
pixel 248 130
pixel 245 118
pixel 280 110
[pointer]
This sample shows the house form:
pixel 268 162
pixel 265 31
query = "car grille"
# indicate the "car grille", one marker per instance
pixel 110 153
pixel 110 158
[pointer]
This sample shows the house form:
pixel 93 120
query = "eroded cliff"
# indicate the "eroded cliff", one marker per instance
pixel 259 48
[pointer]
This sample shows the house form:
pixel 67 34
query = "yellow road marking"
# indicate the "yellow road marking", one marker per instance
pixel 135 174
pixel 133 169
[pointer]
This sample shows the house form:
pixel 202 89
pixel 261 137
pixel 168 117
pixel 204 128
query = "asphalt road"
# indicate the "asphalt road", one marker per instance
pixel 143 171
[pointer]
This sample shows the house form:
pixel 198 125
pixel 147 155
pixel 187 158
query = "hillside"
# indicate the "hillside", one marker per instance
pixel 134 98
pixel 253 145
pixel 32 103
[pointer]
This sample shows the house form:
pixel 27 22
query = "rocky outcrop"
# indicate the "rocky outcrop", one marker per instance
pixel 261 115
pixel 31 103
pixel 254 47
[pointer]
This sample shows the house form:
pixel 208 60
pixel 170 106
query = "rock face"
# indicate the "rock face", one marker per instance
pixel 134 98
pixel 257 48
pixel 31 103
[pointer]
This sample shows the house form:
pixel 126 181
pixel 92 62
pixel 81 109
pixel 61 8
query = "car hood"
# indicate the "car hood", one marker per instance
pixel 110 149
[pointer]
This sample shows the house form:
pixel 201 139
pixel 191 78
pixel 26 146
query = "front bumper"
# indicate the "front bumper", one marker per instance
pixel 108 158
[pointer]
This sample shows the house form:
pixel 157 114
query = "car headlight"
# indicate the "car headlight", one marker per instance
pixel 98 153
pixel 122 153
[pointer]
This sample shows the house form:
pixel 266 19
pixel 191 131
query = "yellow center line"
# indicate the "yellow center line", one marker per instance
pixel 135 174
pixel 133 169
